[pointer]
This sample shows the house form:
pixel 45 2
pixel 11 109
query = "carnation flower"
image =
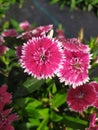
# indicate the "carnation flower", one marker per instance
pixel 10 33
pixel 1 40
pixel 3 50
pixel 81 97
pixel 6 119
pixel 76 64
pixel 36 32
pixel 25 25
pixel 41 57
pixel 5 97
pixel 93 122
pixel 95 85
pixel 18 51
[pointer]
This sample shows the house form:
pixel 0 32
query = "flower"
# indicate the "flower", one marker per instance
pixel 25 25
pixel 5 97
pixel 36 32
pixel 10 33
pixel 41 57
pixel 75 66
pixel 93 122
pixel 95 85
pixel 3 49
pixel 6 119
pixel 18 51
pixel 81 97
pixel 1 40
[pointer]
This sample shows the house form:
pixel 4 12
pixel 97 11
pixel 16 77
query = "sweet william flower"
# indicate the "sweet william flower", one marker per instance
pixel 95 85
pixel 3 49
pixel 5 97
pixel 76 64
pixel 81 98
pixel 6 119
pixel 41 57
pixel 10 33
pixel 24 25
pixel 18 51
pixel 36 32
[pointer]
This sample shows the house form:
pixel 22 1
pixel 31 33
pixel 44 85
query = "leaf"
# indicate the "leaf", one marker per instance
pixel 59 99
pixel 44 113
pixel 43 125
pixel 55 117
pixel 32 84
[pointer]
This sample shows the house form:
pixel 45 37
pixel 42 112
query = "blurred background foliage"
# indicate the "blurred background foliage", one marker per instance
pixel 82 4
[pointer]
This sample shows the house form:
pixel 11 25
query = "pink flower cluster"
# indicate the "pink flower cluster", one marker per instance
pixel 6 118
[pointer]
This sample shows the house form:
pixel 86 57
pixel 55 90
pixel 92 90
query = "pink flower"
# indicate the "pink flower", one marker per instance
pixel 10 33
pixel 93 122
pixel 95 85
pixel 3 50
pixel 41 57
pixel 1 40
pixel 60 34
pixel 5 97
pixel 25 25
pixel 18 51
pixel 76 64
pixel 81 97
pixel 6 119
pixel 36 32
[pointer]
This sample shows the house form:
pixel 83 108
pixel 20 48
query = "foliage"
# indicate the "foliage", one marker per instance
pixel 82 4
pixel 5 4
pixel 40 104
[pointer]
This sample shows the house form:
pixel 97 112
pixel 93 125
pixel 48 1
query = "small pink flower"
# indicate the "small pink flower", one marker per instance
pixel 36 32
pixel 93 122
pixel 6 119
pixel 10 33
pixel 41 57
pixel 1 40
pixel 18 51
pixel 5 97
pixel 76 64
pixel 25 25
pixel 81 97
pixel 60 34
pixel 95 85
pixel 3 50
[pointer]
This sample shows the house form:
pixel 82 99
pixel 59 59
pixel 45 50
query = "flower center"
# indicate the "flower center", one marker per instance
pixel 43 57
pixel 80 95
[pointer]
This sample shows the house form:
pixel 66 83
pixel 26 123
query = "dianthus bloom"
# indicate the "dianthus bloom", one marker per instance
pixel 5 97
pixel 81 97
pixel 10 33
pixel 93 122
pixel 18 51
pixel 76 63
pixel 95 85
pixel 36 32
pixel 6 117
pixel 25 25
pixel 41 57
pixel 3 49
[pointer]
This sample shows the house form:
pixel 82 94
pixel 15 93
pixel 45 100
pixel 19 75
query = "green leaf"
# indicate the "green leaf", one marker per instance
pixel 59 99
pixel 32 84
pixel 44 113
pixel 43 125
pixel 55 117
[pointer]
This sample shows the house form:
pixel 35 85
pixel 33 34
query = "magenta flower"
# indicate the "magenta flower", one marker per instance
pixel 3 50
pixel 93 122
pixel 1 40
pixel 76 64
pixel 10 33
pixel 81 97
pixel 41 57
pixel 95 85
pixel 6 119
pixel 25 25
pixel 36 32
pixel 5 97
pixel 18 51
